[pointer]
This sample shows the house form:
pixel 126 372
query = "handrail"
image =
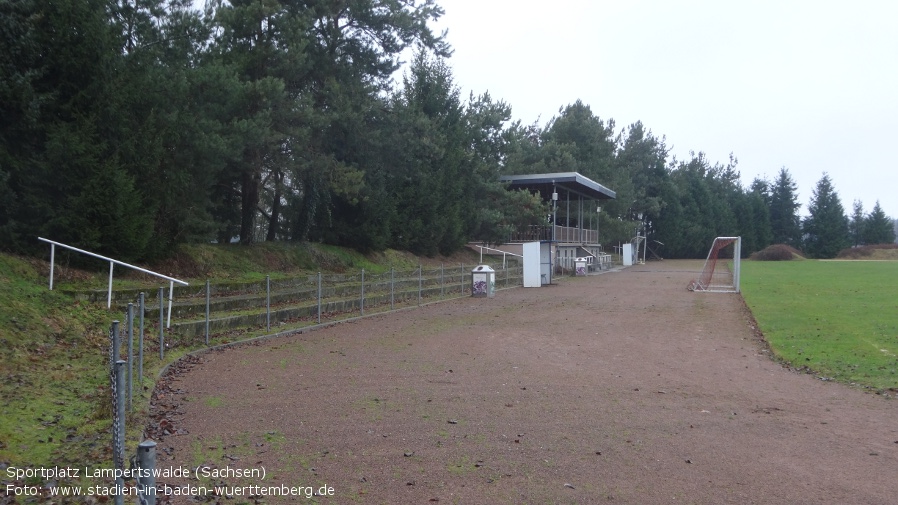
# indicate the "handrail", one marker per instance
pixel 482 247
pixel 112 262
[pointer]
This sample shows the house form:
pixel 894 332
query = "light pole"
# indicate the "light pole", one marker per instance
pixel 554 211
pixel 639 216
pixel 645 237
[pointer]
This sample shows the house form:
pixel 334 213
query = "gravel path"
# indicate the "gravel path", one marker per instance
pixel 616 388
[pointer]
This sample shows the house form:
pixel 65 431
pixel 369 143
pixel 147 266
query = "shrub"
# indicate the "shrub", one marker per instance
pixel 777 252
pixel 867 251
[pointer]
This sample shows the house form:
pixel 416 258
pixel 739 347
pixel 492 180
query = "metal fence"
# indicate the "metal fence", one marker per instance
pixel 320 296
pixel 145 457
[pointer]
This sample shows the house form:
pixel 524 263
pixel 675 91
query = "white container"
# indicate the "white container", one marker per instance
pixel 581 265
pixel 483 282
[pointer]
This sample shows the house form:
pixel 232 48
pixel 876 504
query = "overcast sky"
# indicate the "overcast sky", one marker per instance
pixel 809 85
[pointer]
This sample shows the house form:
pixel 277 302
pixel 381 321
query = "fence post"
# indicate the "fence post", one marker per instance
pixel 420 275
pixel 52 260
pixel 392 288
pixel 268 302
pixel 319 297
pixel 161 327
pixel 115 346
pixel 461 268
pixel 130 354
pixel 208 293
pixel 171 297
pixel 362 299
pixel 442 290
pixel 146 461
pixel 142 307
pixel 118 429
pixel 109 293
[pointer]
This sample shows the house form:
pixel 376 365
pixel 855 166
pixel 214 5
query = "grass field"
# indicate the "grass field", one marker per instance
pixel 838 319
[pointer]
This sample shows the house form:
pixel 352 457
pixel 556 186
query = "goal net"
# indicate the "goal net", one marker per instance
pixel 722 267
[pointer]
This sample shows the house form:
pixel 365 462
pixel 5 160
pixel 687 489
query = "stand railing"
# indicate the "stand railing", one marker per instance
pixel 171 280
pixel 563 234
pixel 504 253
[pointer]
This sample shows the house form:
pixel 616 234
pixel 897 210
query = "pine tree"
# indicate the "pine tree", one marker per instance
pixel 856 225
pixel 784 220
pixel 878 227
pixel 826 228
pixel 429 173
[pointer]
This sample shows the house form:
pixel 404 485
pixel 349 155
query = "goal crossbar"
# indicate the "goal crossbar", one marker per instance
pixel 720 276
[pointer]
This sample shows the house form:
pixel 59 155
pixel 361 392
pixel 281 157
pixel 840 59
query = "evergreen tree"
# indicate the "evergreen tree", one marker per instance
pixel 878 228
pixel 171 132
pixel 704 193
pixel 856 224
pixel 638 176
pixel 752 215
pixel 429 175
pixel 784 220
pixel 20 101
pixel 759 211
pixel 64 169
pixel 490 212
pixel 578 141
pixel 826 228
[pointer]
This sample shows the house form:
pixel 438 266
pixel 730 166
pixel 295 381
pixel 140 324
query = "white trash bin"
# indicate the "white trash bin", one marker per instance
pixel 483 282
pixel 580 265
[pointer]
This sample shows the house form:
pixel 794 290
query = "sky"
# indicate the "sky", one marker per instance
pixel 806 85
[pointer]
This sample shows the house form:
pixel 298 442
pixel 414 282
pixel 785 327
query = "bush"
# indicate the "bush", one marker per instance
pixel 777 252
pixel 867 251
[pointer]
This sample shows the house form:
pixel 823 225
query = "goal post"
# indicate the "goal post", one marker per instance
pixel 722 268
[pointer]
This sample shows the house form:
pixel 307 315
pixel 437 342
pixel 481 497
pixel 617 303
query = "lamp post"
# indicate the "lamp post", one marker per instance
pixel 639 216
pixel 598 212
pixel 554 211
pixel 645 238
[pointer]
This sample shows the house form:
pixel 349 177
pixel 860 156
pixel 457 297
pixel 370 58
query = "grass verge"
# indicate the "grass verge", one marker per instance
pixel 54 367
pixel 54 373
pixel 837 319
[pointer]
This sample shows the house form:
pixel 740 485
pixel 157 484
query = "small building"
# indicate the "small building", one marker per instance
pixel 572 230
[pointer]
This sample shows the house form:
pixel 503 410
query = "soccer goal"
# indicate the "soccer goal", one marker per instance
pixel 722 267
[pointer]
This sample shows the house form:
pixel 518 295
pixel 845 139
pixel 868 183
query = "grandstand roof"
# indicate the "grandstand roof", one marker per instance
pixel 569 181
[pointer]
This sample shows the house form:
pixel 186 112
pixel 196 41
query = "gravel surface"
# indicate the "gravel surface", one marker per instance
pixel 622 387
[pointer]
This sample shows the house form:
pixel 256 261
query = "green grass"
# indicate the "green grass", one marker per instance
pixel 838 319
pixel 53 375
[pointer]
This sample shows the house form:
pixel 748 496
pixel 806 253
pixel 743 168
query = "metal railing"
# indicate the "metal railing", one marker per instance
pixel 563 234
pixel 112 262
pixel 504 253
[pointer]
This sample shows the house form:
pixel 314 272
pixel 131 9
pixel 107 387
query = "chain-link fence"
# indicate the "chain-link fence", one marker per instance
pixel 319 297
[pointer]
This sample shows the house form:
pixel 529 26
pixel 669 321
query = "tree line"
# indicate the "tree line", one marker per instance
pixel 132 126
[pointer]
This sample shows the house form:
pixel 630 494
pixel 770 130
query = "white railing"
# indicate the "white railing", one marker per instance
pixel 482 247
pixel 112 263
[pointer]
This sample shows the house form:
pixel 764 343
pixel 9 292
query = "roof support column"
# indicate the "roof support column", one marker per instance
pixel 567 218
pixel 580 218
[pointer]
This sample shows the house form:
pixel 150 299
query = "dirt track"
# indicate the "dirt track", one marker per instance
pixel 617 388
